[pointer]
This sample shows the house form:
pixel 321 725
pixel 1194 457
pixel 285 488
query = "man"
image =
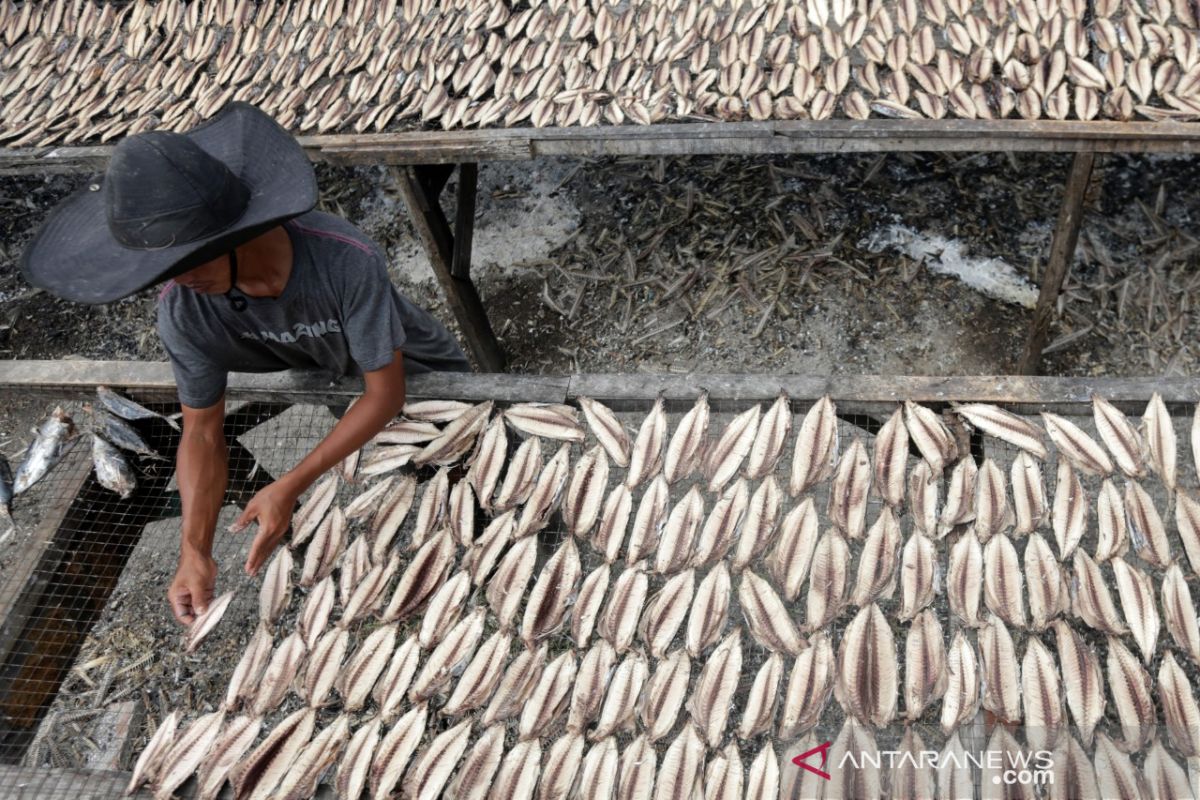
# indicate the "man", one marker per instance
pixel 258 282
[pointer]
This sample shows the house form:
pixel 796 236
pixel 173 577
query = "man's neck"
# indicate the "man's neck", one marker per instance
pixel 265 264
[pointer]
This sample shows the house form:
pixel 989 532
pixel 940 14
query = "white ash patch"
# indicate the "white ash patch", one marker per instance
pixel 993 277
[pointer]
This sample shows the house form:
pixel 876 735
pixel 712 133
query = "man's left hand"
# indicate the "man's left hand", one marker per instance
pixel 272 508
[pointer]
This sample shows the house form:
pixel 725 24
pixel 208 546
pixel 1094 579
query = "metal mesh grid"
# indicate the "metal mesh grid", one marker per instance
pixel 271 438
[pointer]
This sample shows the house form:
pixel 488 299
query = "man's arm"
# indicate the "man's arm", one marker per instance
pixel 272 507
pixel 202 474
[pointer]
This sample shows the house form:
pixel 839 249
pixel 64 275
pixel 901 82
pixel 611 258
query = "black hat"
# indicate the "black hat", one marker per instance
pixel 170 202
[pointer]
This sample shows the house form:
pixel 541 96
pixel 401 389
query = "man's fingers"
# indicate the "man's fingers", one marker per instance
pixel 181 606
pixel 243 521
pixel 259 550
pixel 202 597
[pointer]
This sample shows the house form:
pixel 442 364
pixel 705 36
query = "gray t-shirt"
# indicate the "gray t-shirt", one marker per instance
pixel 339 312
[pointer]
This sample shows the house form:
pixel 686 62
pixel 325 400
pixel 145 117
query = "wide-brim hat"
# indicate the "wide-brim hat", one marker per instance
pixel 170 202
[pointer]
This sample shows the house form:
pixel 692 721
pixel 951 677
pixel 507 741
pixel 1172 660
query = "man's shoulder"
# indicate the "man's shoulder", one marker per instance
pixel 335 236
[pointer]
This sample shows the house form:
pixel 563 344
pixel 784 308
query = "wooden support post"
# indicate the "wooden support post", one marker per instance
pixel 464 221
pixel 1062 254
pixel 439 242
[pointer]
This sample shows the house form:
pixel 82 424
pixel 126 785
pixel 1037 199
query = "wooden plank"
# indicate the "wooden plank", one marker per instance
pixel 876 393
pixel 1062 255
pixel 154 381
pixel 17 596
pixel 464 220
pixel 434 232
pixel 795 136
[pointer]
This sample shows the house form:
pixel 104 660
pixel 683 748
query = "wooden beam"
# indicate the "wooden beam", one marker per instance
pixel 464 220
pixel 1062 255
pixel 434 232
pixel 783 136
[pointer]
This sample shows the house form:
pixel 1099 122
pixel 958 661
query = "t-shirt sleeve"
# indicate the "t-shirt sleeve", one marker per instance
pixel 199 380
pixel 371 320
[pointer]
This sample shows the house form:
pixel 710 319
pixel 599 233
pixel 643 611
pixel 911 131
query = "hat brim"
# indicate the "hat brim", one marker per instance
pixel 75 256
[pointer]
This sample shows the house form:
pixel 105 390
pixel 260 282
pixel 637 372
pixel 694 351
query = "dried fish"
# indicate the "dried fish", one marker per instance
pixel 461 513
pixel 763 781
pixel 1115 773
pixel 537 419
pixel 923 499
pixel 523 469
pixel 484 474
pixel 364 667
pixel 920 575
pixel 723 776
pixel 1068 516
pixel 390 515
pixel 665 612
pixel 1029 495
pixel 486 549
pixel 723 458
pixel 205 622
pixel 682 765
pixel 1137 602
pixel 444 608
pixel 434 766
pixel 1187 523
pixel 723 525
pixel 1003 585
pixel 960 497
pixel 591 680
pixel 854 783
pixel 924 665
pixel 648 521
pixel 355 767
pixel 849 492
pixel 1160 440
pixel 639 767
pixel 683 453
pixel 1132 699
pixel 456 438
pixel 891 459
pixel 549 697
pixel 965 579
pixel 322 553
pixel 519 679
pixel 1084 452
pixel 1180 711
pixel 587 605
pixel 931 436
pixel 585 492
pixel 356 562
pixel 424 574
pixel 675 546
pixel 1164 777
pixel 447 659
pixel 324 664
pixel 1001 681
pixel 1180 613
pixel 315 614
pixel 607 429
pixel 435 410
pixel 767 617
pixel 816 447
pixel 827 581
pixel 1082 679
pixel 150 761
pixel 868 683
pixel 963 682
pixel 1046 586
pixel 614 520
pixel 645 460
pixel 244 681
pixel 300 780
pixel 432 511
pixel 1005 426
pixel 809 686
pixel 621 699
pixel 547 605
pixel 911 779
pixel 770 438
pixel 1119 436
pixel 562 767
pixel 1041 693
pixel 992 512
pixel 599 771
pixel 542 501
pixel 1146 527
pixel 1112 530
pixel 473 781
pixel 877 563
pixel 235 739
pixel 792 555
pixel 261 771
pixel 711 701
pixel 312 511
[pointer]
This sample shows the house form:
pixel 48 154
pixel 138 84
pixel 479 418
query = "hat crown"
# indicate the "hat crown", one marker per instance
pixel 163 189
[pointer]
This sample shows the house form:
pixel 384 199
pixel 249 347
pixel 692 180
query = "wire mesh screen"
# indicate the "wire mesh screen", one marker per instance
pixel 93 660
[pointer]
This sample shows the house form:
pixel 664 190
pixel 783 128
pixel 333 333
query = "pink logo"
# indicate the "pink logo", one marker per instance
pixel 823 749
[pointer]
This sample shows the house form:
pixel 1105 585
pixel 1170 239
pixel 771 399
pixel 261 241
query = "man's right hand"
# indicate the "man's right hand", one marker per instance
pixel 192 589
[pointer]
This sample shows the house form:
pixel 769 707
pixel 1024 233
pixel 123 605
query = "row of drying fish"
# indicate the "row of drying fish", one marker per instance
pixel 79 71
pixel 112 437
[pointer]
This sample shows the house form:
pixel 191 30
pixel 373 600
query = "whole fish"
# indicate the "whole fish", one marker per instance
pixel 123 435
pixel 112 470
pixel 46 450
pixel 125 408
